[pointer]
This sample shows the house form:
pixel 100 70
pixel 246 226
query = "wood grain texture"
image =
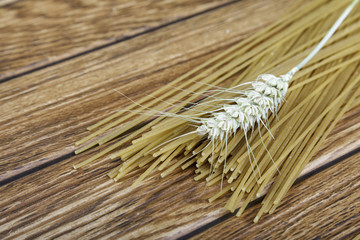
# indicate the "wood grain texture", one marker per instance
pixel 37 33
pixel 4 3
pixel 44 112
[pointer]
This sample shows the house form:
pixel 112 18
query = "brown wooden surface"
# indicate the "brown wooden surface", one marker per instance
pixel 69 72
pixel 38 33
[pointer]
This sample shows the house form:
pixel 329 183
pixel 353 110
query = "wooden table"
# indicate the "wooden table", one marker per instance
pixel 59 64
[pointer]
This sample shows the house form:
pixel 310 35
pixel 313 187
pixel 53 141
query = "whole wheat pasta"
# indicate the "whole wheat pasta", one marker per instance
pixel 273 149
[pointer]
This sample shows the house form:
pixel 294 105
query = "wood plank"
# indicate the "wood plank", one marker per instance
pixel 45 112
pixel 324 206
pixel 57 201
pixel 38 33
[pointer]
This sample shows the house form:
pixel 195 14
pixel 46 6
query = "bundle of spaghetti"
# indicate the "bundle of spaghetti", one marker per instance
pixel 159 130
